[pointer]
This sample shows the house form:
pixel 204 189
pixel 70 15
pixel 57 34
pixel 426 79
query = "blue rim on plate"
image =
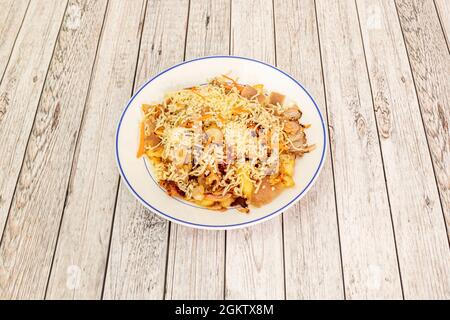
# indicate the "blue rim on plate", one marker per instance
pixel 278 211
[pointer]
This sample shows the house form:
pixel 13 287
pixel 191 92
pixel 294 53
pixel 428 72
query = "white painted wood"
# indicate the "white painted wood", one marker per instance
pixel 209 28
pixel 422 245
pixel 443 9
pixel 20 91
pixel 196 264
pixel 311 240
pixel 430 64
pixel 254 255
pixel 80 259
pixel 197 257
pixel 368 247
pixel 29 239
pixel 138 253
pixel 254 267
pixel 12 14
pixel 137 258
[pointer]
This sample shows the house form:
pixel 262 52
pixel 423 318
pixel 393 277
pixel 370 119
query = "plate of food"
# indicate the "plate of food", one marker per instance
pixel 220 142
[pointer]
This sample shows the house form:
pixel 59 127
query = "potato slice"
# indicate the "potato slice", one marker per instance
pixel 247 185
pixel 287 164
pixel 287 181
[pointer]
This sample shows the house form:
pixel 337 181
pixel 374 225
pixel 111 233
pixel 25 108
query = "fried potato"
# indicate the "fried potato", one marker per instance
pixel 287 164
pixel 247 185
pixel 206 202
pixel 227 202
pixel 287 181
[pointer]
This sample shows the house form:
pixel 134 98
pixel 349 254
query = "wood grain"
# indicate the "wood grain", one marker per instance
pixel 11 18
pixel 20 91
pixel 254 255
pixel 368 247
pixel 423 251
pixel 443 9
pixel 375 225
pixel 430 64
pixel 29 239
pixel 138 253
pixel 137 259
pixel 311 240
pixel 196 264
pixel 81 255
pixel 191 273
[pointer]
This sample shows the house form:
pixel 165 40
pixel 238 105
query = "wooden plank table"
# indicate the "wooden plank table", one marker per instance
pixel 375 225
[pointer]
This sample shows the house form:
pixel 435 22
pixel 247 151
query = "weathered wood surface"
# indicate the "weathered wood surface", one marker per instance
pixel 367 239
pixel 311 240
pixel 31 231
pixel 424 258
pixel 430 65
pixel 80 259
pixel 138 252
pixel 20 91
pixel 375 225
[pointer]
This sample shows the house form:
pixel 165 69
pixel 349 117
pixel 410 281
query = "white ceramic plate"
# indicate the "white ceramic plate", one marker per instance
pixel 137 173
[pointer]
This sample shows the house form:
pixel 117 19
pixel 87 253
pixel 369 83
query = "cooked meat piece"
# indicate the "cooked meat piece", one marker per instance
pixel 298 141
pixel 276 97
pixel 292 113
pixel 248 92
pixel 240 201
pixel 262 99
pixel 292 127
pixel 265 194
pixel 299 138
pixel 172 188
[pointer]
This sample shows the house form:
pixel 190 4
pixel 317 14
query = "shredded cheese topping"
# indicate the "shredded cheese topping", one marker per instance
pixel 211 141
